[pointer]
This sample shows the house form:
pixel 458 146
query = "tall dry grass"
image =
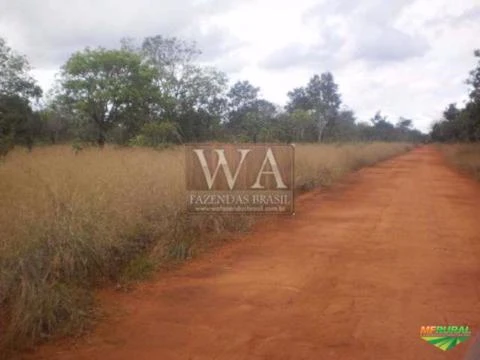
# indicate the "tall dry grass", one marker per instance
pixel 464 156
pixel 324 164
pixel 71 221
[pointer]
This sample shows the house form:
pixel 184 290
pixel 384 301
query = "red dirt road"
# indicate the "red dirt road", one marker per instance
pixel 353 275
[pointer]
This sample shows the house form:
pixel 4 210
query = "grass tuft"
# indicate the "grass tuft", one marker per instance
pixel 464 156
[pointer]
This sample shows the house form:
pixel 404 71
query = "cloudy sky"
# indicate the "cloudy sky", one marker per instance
pixel 405 57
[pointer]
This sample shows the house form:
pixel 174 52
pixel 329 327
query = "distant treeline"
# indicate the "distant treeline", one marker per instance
pixel 157 92
pixel 462 125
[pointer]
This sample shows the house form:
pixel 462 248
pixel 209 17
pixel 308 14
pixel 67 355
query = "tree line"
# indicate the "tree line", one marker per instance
pixel 462 124
pixel 155 92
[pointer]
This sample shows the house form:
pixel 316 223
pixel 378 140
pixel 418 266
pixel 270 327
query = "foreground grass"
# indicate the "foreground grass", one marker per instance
pixel 464 156
pixel 72 222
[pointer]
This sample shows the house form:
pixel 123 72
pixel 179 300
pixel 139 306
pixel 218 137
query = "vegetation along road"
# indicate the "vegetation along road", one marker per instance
pixel 353 275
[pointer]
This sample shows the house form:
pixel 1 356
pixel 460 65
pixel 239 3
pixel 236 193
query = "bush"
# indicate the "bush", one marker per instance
pixel 157 134
pixel 6 144
pixel 464 156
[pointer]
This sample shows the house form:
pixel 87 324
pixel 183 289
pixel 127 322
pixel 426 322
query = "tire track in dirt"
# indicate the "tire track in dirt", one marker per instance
pixel 353 275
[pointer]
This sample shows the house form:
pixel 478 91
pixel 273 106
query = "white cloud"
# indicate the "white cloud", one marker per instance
pixel 404 57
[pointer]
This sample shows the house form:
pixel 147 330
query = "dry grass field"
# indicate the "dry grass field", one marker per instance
pixel 464 156
pixel 70 222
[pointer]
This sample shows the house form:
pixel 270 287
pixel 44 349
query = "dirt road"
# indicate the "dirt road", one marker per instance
pixel 353 275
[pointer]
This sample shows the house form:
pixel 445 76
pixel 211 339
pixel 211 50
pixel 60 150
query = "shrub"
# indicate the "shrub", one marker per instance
pixel 157 134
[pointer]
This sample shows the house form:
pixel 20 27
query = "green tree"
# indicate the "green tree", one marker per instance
pixel 191 95
pixel 109 88
pixel 404 124
pixel 474 80
pixel 202 104
pixel 157 134
pixel 451 112
pixel 250 118
pixel 18 123
pixel 57 121
pixel 344 128
pixel 472 109
pixel 298 100
pixel 365 131
pixel 14 75
pixel 320 95
pixel 462 124
pixel 241 96
pixel 383 130
pixel 297 126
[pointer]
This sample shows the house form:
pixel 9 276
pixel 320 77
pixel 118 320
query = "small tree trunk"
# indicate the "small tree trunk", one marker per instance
pixel 321 127
pixel 29 143
pixel 101 140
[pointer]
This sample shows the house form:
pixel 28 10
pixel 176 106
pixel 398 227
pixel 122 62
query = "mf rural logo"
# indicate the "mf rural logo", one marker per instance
pixel 445 337
pixel 252 178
